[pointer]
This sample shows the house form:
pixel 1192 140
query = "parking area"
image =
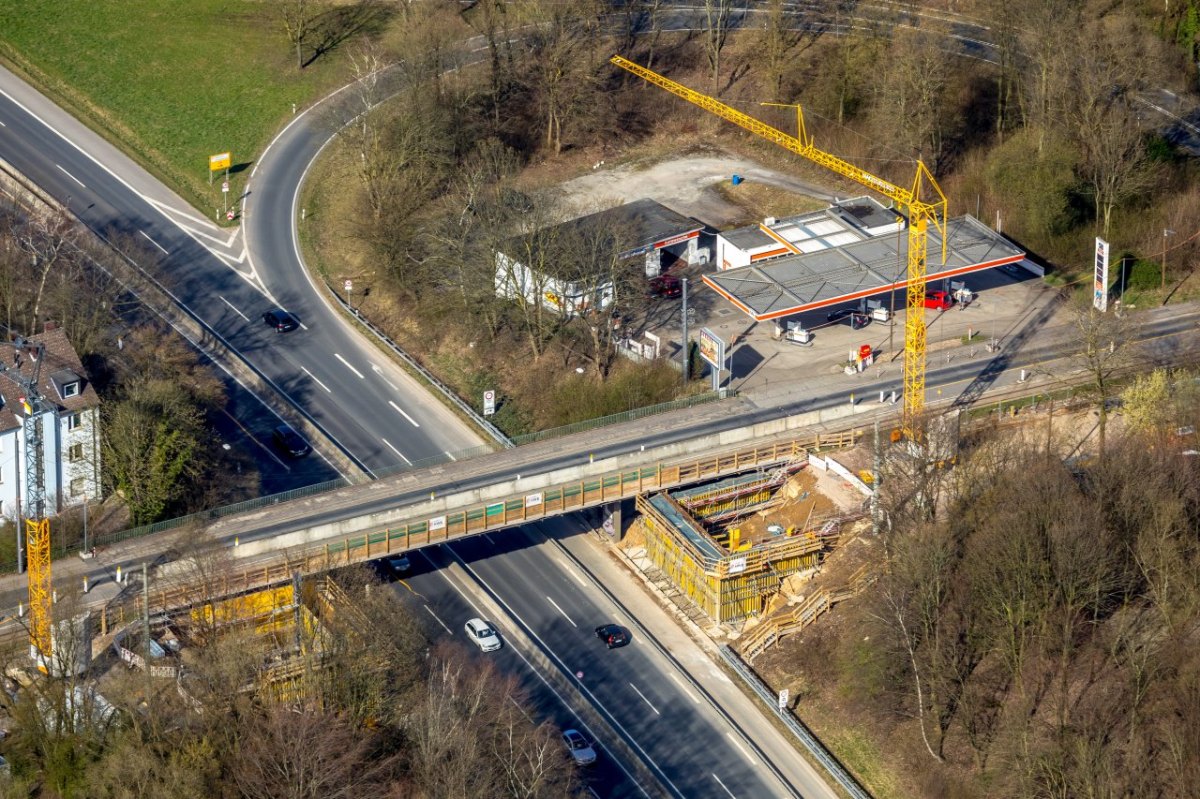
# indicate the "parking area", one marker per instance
pixel 1005 298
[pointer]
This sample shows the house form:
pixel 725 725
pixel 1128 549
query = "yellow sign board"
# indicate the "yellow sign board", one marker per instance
pixel 219 161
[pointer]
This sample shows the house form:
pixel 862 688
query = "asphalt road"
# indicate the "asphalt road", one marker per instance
pixel 375 412
pixel 646 697
pixel 442 606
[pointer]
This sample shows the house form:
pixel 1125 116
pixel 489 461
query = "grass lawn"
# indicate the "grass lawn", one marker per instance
pixel 170 82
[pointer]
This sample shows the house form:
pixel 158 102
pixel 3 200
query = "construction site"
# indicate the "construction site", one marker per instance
pixel 731 553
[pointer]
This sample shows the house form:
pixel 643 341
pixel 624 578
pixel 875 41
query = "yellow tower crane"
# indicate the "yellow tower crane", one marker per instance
pixel 37 526
pixel 921 212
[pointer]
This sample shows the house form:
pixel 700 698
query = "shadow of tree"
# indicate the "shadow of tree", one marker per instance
pixel 333 27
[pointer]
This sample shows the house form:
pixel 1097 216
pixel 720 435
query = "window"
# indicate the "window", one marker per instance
pixel 70 390
pixel 78 485
pixel 73 421
pixel 75 453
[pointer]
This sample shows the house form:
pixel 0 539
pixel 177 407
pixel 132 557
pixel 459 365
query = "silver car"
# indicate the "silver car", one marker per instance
pixel 581 751
pixel 483 635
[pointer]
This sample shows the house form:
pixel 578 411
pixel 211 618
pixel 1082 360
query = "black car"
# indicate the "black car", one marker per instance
pixel 281 320
pixel 290 442
pixel 613 635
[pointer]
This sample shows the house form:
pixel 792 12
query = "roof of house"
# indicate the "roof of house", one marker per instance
pixel 61 367
pixel 638 226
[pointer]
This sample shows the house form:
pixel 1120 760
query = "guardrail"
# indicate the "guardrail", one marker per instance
pixel 425 374
pixel 802 734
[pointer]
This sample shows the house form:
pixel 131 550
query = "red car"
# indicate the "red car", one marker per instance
pixel 938 300
pixel 667 286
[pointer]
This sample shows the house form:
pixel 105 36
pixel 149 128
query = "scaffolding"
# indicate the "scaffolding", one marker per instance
pixel 727 586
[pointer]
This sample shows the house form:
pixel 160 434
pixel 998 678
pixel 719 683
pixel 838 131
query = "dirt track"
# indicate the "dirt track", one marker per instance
pixel 683 184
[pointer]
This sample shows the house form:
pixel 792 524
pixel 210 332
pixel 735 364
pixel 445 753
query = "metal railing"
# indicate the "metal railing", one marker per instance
pixel 798 729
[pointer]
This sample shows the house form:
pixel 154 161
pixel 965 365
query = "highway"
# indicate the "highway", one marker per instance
pixel 649 699
pixel 374 411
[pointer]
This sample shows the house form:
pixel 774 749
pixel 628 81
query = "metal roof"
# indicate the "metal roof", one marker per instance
pixel 797 283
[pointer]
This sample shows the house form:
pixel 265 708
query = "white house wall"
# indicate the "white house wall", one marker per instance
pixel 9 476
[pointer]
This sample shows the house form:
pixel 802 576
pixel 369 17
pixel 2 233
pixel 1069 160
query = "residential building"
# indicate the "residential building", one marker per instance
pixel 70 413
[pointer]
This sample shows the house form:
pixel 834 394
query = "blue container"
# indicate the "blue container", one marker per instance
pixel 737 179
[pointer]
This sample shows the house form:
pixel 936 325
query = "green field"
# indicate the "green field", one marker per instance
pixel 170 82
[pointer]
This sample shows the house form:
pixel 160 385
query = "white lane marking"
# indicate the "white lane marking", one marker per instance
pixel 2 125
pixel 644 699
pixel 742 749
pixel 348 366
pixel 398 452
pixel 586 691
pixel 563 612
pixel 439 621
pixel 72 177
pixel 155 243
pixel 685 689
pixel 718 779
pixel 402 413
pixel 314 377
pixel 379 372
pixel 236 311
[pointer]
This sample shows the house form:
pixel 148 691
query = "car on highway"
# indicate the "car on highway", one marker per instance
pixel 290 442
pixel 667 286
pixel 613 635
pixel 399 564
pixel 484 636
pixel 280 320
pixel 581 751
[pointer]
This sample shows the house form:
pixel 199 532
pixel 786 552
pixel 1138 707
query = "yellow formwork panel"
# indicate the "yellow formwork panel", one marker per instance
pixel 247 607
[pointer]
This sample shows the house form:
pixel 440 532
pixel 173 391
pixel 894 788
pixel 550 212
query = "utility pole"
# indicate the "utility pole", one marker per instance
pixel 686 350
pixel 1167 232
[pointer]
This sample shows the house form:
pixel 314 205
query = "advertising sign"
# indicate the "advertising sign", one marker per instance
pixel 219 161
pixel 737 565
pixel 532 500
pixel 1100 284
pixel 712 349
pixel 437 523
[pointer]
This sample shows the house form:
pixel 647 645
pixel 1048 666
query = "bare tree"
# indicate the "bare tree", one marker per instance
pixel 1104 78
pixel 1105 349
pixel 297 18
pixel 776 40
pixel 718 18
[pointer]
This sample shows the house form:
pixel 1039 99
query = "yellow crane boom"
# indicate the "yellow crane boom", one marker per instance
pixel 921 212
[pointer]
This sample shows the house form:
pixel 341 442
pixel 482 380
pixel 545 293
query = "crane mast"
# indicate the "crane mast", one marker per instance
pixel 921 213
pixel 37 525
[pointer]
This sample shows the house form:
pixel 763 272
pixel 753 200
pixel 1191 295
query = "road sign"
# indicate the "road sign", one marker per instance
pixel 229 215
pixel 489 402
pixel 349 286
pixel 1100 282
pixel 225 186
pixel 783 699
pixel 219 161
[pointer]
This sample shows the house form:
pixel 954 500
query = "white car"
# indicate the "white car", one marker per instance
pixel 483 635
pixel 581 751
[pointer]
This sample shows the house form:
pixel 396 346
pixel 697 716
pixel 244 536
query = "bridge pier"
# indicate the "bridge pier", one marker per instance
pixel 613 520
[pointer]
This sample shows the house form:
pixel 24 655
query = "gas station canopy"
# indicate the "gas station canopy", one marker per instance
pixel 780 287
